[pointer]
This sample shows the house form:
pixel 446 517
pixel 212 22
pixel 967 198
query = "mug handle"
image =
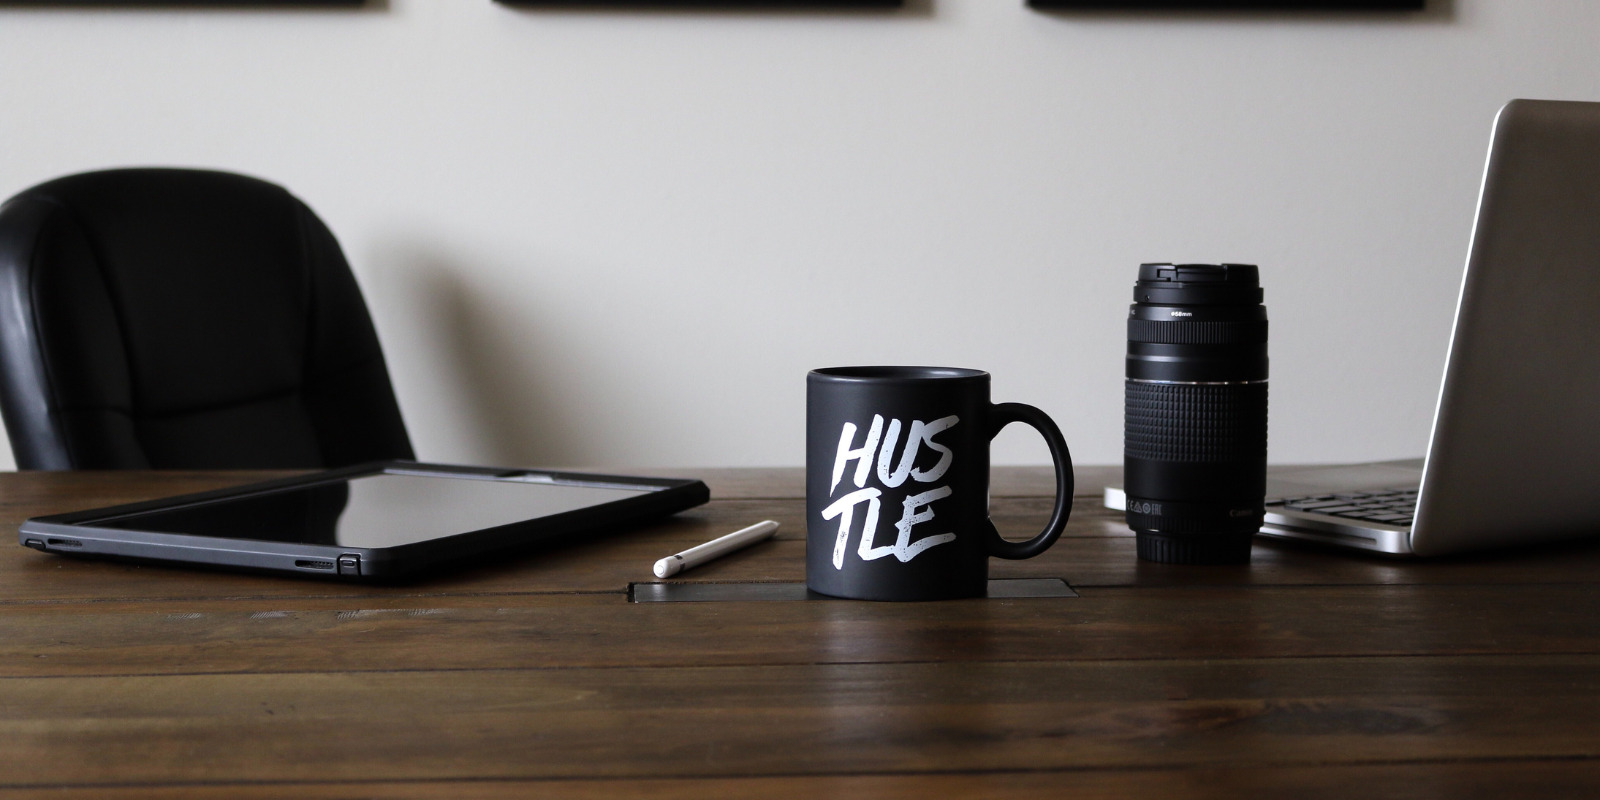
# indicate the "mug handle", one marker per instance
pixel 1003 414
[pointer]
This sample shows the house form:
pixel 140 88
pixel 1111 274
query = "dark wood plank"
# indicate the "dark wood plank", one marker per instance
pixel 1541 778
pixel 605 631
pixel 1405 781
pixel 1455 780
pixel 797 720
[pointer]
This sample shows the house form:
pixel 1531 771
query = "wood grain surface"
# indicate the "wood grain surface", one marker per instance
pixel 1306 673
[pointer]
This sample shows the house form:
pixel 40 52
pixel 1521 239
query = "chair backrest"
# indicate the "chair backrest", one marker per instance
pixel 178 319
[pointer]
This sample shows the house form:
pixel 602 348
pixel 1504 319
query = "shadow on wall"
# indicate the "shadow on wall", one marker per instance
pixel 491 376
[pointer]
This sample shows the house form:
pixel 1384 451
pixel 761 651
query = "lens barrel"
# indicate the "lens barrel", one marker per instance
pixel 1195 412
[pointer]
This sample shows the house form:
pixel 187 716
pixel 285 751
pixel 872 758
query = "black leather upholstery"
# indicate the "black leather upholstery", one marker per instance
pixel 167 318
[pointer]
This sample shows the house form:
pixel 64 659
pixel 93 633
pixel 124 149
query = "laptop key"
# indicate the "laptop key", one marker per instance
pixel 1336 510
pixel 1315 506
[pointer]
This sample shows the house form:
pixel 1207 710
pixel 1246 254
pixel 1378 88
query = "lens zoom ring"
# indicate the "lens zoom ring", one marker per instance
pixel 1147 331
pixel 1178 422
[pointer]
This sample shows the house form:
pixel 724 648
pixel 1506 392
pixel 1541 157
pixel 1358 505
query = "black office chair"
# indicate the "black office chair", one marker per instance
pixel 173 318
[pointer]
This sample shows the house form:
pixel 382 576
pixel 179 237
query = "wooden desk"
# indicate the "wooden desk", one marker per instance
pixel 1305 673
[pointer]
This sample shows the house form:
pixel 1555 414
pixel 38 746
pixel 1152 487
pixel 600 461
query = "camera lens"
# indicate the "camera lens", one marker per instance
pixel 1195 412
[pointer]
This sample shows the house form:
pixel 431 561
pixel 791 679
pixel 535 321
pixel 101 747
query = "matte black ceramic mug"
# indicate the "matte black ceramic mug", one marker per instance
pixel 897 482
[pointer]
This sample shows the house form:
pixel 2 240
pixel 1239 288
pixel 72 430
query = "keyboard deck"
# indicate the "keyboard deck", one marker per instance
pixel 1387 506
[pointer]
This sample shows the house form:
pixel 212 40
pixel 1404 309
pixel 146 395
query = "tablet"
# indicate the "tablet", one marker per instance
pixel 384 520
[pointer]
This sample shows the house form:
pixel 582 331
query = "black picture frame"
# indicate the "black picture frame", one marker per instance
pixel 1233 5
pixel 186 4
pixel 690 4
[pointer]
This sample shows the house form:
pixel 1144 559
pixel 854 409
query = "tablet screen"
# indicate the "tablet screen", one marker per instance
pixel 372 511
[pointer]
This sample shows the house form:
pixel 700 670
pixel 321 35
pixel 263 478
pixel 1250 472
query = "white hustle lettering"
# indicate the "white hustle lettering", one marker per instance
pixel 845 454
pixel 903 548
pixel 844 508
pixel 924 432
pixel 921 434
pixel 916 508
pixel 886 455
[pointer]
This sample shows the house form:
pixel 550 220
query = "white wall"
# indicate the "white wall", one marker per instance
pixel 622 238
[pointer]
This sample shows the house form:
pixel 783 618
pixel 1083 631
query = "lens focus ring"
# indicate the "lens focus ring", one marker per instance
pixel 1151 331
pixel 1190 423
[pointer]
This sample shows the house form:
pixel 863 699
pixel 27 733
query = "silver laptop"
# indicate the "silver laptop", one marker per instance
pixel 1514 456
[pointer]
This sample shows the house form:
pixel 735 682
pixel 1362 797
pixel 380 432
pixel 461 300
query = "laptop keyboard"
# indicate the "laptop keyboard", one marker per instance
pixel 1388 506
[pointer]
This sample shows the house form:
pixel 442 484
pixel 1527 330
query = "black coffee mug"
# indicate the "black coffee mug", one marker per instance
pixel 897 482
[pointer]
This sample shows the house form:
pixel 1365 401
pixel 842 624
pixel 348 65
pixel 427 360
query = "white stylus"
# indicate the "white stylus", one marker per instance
pixel 716 548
